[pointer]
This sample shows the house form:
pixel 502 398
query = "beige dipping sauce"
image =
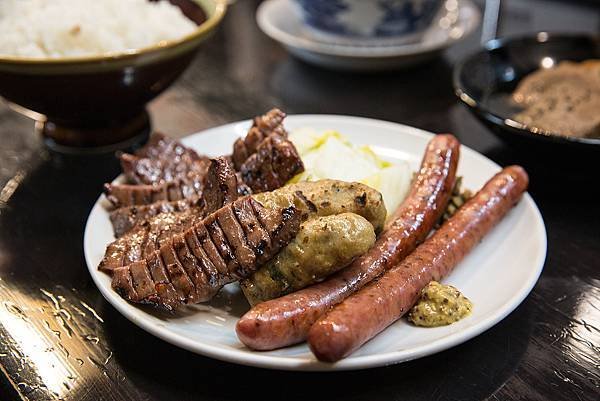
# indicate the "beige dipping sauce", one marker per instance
pixel 564 99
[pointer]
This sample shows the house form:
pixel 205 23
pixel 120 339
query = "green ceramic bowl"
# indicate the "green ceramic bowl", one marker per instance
pixel 99 101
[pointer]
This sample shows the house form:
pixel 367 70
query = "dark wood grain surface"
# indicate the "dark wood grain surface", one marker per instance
pixel 59 339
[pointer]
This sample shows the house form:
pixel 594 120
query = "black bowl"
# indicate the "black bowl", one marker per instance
pixel 95 103
pixel 485 80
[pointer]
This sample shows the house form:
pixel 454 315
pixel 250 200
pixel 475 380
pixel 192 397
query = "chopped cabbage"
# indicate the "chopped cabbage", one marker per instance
pixel 331 155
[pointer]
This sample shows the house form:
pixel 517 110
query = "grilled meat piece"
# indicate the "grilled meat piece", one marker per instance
pixel 147 236
pixel 142 170
pixel 221 185
pixel 121 195
pixel 274 163
pixel 158 144
pixel 191 267
pixel 262 127
pixel 270 122
pixel 190 187
pixel 162 160
pixel 125 218
pixel 164 170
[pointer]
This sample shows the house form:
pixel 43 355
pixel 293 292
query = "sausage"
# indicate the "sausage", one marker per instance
pixel 286 320
pixel 327 197
pixel 367 312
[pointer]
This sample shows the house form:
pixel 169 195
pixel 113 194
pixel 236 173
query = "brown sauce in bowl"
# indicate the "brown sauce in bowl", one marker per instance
pixel 564 99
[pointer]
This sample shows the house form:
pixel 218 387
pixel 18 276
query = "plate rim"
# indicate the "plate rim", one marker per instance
pixel 262 360
pixel 349 51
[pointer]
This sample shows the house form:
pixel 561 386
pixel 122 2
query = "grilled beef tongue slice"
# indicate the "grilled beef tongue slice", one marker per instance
pixel 221 185
pixel 125 218
pixel 161 160
pixel 122 195
pixel 190 187
pixel 257 235
pixel 175 275
pixel 164 159
pixel 147 236
pixel 269 122
pixel 143 170
pixel 274 163
pixel 159 144
pixel 262 127
pixel 165 170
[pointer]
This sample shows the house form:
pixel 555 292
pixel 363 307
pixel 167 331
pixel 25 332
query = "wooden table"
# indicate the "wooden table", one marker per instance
pixel 60 339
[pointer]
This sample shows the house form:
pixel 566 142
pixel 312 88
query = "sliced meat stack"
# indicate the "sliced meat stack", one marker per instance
pixel 274 163
pixel 123 195
pixel 189 187
pixel 147 237
pixel 125 218
pixel 161 160
pixel 220 188
pixel 227 245
pixel 182 233
pixel 262 127
pixel 220 184
pixel 265 158
pixel 166 171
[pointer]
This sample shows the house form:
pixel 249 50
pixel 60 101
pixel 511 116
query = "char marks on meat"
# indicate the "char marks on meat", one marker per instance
pixel 147 236
pixel 125 218
pixel 182 233
pixel 165 171
pixel 158 146
pixel 122 195
pixel 219 174
pixel 221 185
pixel 227 245
pixel 263 126
pixel 220 189
pixel 162 160
pixel 274 163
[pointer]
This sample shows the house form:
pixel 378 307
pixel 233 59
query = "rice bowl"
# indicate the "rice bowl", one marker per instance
pixel 91 103
pixel 63 28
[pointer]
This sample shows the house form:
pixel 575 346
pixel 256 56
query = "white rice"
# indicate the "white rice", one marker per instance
pixel 70 28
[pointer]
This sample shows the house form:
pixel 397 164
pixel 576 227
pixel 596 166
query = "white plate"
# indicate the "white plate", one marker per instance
pixel 278 20
pixel 496 276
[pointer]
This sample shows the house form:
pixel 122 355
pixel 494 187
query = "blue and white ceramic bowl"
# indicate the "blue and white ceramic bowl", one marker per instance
pixel 372 20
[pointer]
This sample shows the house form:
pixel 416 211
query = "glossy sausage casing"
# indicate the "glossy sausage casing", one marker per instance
pixel 367 312
pixel 286 320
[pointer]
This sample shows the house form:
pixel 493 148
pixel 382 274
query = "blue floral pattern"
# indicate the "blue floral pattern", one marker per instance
pixel 322 14
pixel 416 16
pixel 399 17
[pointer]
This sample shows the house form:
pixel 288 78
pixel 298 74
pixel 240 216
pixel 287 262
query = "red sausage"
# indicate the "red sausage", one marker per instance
pixel 367 312
pixel 286 320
